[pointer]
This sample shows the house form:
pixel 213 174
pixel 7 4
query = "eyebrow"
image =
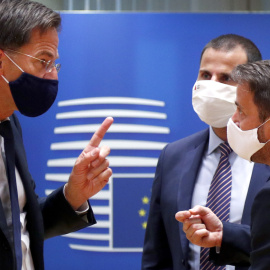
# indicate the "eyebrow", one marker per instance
pixel 238 105
pixel 222 73
pixel 203 70
pixel 49 54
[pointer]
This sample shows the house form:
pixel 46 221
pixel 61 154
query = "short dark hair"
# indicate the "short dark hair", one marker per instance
pixel 257 76
pixel 18 18
pixel 229 42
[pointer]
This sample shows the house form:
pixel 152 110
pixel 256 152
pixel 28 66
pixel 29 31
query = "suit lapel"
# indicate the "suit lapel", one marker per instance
pixel 3 222
pixel 22 166
pixel 34 216
pixel 260 175
pixel 188 177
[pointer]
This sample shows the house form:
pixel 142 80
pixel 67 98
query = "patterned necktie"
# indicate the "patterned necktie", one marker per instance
pixel 219 198
pixel 6 133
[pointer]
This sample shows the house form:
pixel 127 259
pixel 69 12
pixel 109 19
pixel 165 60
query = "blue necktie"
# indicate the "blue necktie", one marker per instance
pixel 219 198
pixel 6 133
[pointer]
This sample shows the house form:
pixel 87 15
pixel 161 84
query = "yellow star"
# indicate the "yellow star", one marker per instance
pixel 144 225
pixel 142 212
pixel 145 200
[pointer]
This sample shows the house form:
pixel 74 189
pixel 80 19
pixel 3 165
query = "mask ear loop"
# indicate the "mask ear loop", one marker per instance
pixel 260 126
pixel 4 79
pixel 14 64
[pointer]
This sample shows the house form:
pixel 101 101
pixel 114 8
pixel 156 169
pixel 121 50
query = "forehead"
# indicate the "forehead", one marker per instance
pixel 42 42
pixel 219 61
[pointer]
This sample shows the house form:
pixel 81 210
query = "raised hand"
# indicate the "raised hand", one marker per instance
pixel 91 171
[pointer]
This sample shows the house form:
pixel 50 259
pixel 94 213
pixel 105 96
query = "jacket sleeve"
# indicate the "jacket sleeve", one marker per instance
pixel 260 233
pixel 59 217
pixel 235 247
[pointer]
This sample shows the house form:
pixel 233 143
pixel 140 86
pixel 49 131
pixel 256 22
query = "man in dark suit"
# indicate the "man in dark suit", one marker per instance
pixel 29 84
pixel 248 135
pixel 186 167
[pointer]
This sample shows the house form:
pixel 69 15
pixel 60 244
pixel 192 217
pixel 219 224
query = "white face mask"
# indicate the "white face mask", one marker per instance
pixel 244 142
pixel 214 102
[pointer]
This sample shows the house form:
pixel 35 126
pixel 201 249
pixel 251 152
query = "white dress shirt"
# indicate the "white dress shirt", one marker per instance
pixel 241 174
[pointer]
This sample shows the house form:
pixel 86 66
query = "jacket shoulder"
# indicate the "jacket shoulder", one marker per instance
pixel 190 141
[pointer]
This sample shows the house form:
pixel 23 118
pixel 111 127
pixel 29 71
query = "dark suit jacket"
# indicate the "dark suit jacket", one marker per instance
pixel 46 217
pixel 166 246
pixel 260 230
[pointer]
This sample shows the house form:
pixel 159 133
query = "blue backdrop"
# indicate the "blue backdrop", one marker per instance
pixel 139 68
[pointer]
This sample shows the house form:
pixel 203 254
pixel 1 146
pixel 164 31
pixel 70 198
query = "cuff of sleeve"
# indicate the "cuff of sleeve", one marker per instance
pixel 83 209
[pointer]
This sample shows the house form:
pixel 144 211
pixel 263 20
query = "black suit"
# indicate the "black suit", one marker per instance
pixel 166 245
pixel 46 217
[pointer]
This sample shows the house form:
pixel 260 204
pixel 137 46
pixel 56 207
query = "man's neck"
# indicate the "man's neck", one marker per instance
pixel 221 133
pixel 7 104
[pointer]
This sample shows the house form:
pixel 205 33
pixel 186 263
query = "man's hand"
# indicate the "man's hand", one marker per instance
pixel 90 172
pixel 201 226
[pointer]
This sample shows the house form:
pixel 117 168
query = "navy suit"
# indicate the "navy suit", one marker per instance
pixel 166 246
pixel 46 217
pixel 260 231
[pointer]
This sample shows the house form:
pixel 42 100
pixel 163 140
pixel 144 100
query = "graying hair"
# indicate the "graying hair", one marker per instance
pixel 18 18
pixel 257 76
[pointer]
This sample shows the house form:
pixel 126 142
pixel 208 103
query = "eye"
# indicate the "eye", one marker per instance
pixel 44 61
pixel 225 78
pixel 240 112
pixel 205 76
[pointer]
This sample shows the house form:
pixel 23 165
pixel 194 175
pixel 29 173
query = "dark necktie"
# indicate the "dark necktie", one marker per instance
pixel 219 198
pixel 6 133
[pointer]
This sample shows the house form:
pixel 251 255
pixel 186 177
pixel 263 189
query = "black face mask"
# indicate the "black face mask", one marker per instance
pixel 32 95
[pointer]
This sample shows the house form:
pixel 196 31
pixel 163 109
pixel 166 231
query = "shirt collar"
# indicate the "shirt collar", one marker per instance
pixel 214 141
pixel 4 120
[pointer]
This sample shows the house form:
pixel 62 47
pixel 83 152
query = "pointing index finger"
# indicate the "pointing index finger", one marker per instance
pixel 99 134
